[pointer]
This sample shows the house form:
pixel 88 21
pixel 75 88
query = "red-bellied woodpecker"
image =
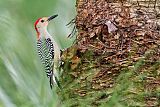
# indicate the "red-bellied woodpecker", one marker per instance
pixel 48 49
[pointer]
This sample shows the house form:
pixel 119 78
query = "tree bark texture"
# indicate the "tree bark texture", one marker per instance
pixel 116 58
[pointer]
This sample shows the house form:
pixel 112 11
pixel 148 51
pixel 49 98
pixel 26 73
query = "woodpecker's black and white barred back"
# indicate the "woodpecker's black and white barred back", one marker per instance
pixel 46 53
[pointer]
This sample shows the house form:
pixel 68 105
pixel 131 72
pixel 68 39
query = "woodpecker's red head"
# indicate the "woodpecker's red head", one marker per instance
pixel 42 24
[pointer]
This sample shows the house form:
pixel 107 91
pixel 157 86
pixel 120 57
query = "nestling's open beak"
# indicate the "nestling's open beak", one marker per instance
pixel 52 17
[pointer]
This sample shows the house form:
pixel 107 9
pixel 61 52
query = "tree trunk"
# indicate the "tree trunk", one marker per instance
pixel 116 59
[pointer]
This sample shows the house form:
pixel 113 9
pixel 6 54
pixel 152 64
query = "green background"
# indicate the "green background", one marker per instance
pixel 23 82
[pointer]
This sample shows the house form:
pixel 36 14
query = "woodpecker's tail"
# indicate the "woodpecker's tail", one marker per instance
pixel 53 81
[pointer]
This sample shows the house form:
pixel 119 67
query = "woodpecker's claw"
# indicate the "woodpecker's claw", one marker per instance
pixel 52 17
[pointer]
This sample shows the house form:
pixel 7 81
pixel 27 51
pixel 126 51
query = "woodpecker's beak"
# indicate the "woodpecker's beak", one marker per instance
pixel 52 17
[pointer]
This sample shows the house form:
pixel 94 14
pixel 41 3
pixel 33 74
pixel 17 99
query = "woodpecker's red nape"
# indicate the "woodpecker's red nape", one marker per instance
pixel 35 24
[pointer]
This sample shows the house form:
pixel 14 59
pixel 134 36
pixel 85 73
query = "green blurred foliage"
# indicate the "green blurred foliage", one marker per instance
pixel 23 82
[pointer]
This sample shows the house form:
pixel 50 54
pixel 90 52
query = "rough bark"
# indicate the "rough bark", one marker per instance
pixel 116 59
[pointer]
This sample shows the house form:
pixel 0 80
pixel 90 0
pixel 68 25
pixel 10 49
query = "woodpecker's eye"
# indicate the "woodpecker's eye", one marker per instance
pixel 42 21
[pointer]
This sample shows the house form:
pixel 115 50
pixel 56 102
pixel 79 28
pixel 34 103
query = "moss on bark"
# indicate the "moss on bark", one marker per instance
pixel 116 59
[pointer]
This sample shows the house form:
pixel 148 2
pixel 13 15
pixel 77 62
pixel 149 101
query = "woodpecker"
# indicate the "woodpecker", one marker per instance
pixel 48 49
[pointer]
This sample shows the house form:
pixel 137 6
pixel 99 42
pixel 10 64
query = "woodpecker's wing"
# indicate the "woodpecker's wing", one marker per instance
pixel 50 47
pixel 40 50
pixel 46 58
pixel 46 53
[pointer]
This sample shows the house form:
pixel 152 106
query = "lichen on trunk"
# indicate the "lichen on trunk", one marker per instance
pixel 116 58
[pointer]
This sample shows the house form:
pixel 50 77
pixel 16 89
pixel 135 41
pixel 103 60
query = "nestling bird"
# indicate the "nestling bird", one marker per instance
pixel 48 49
